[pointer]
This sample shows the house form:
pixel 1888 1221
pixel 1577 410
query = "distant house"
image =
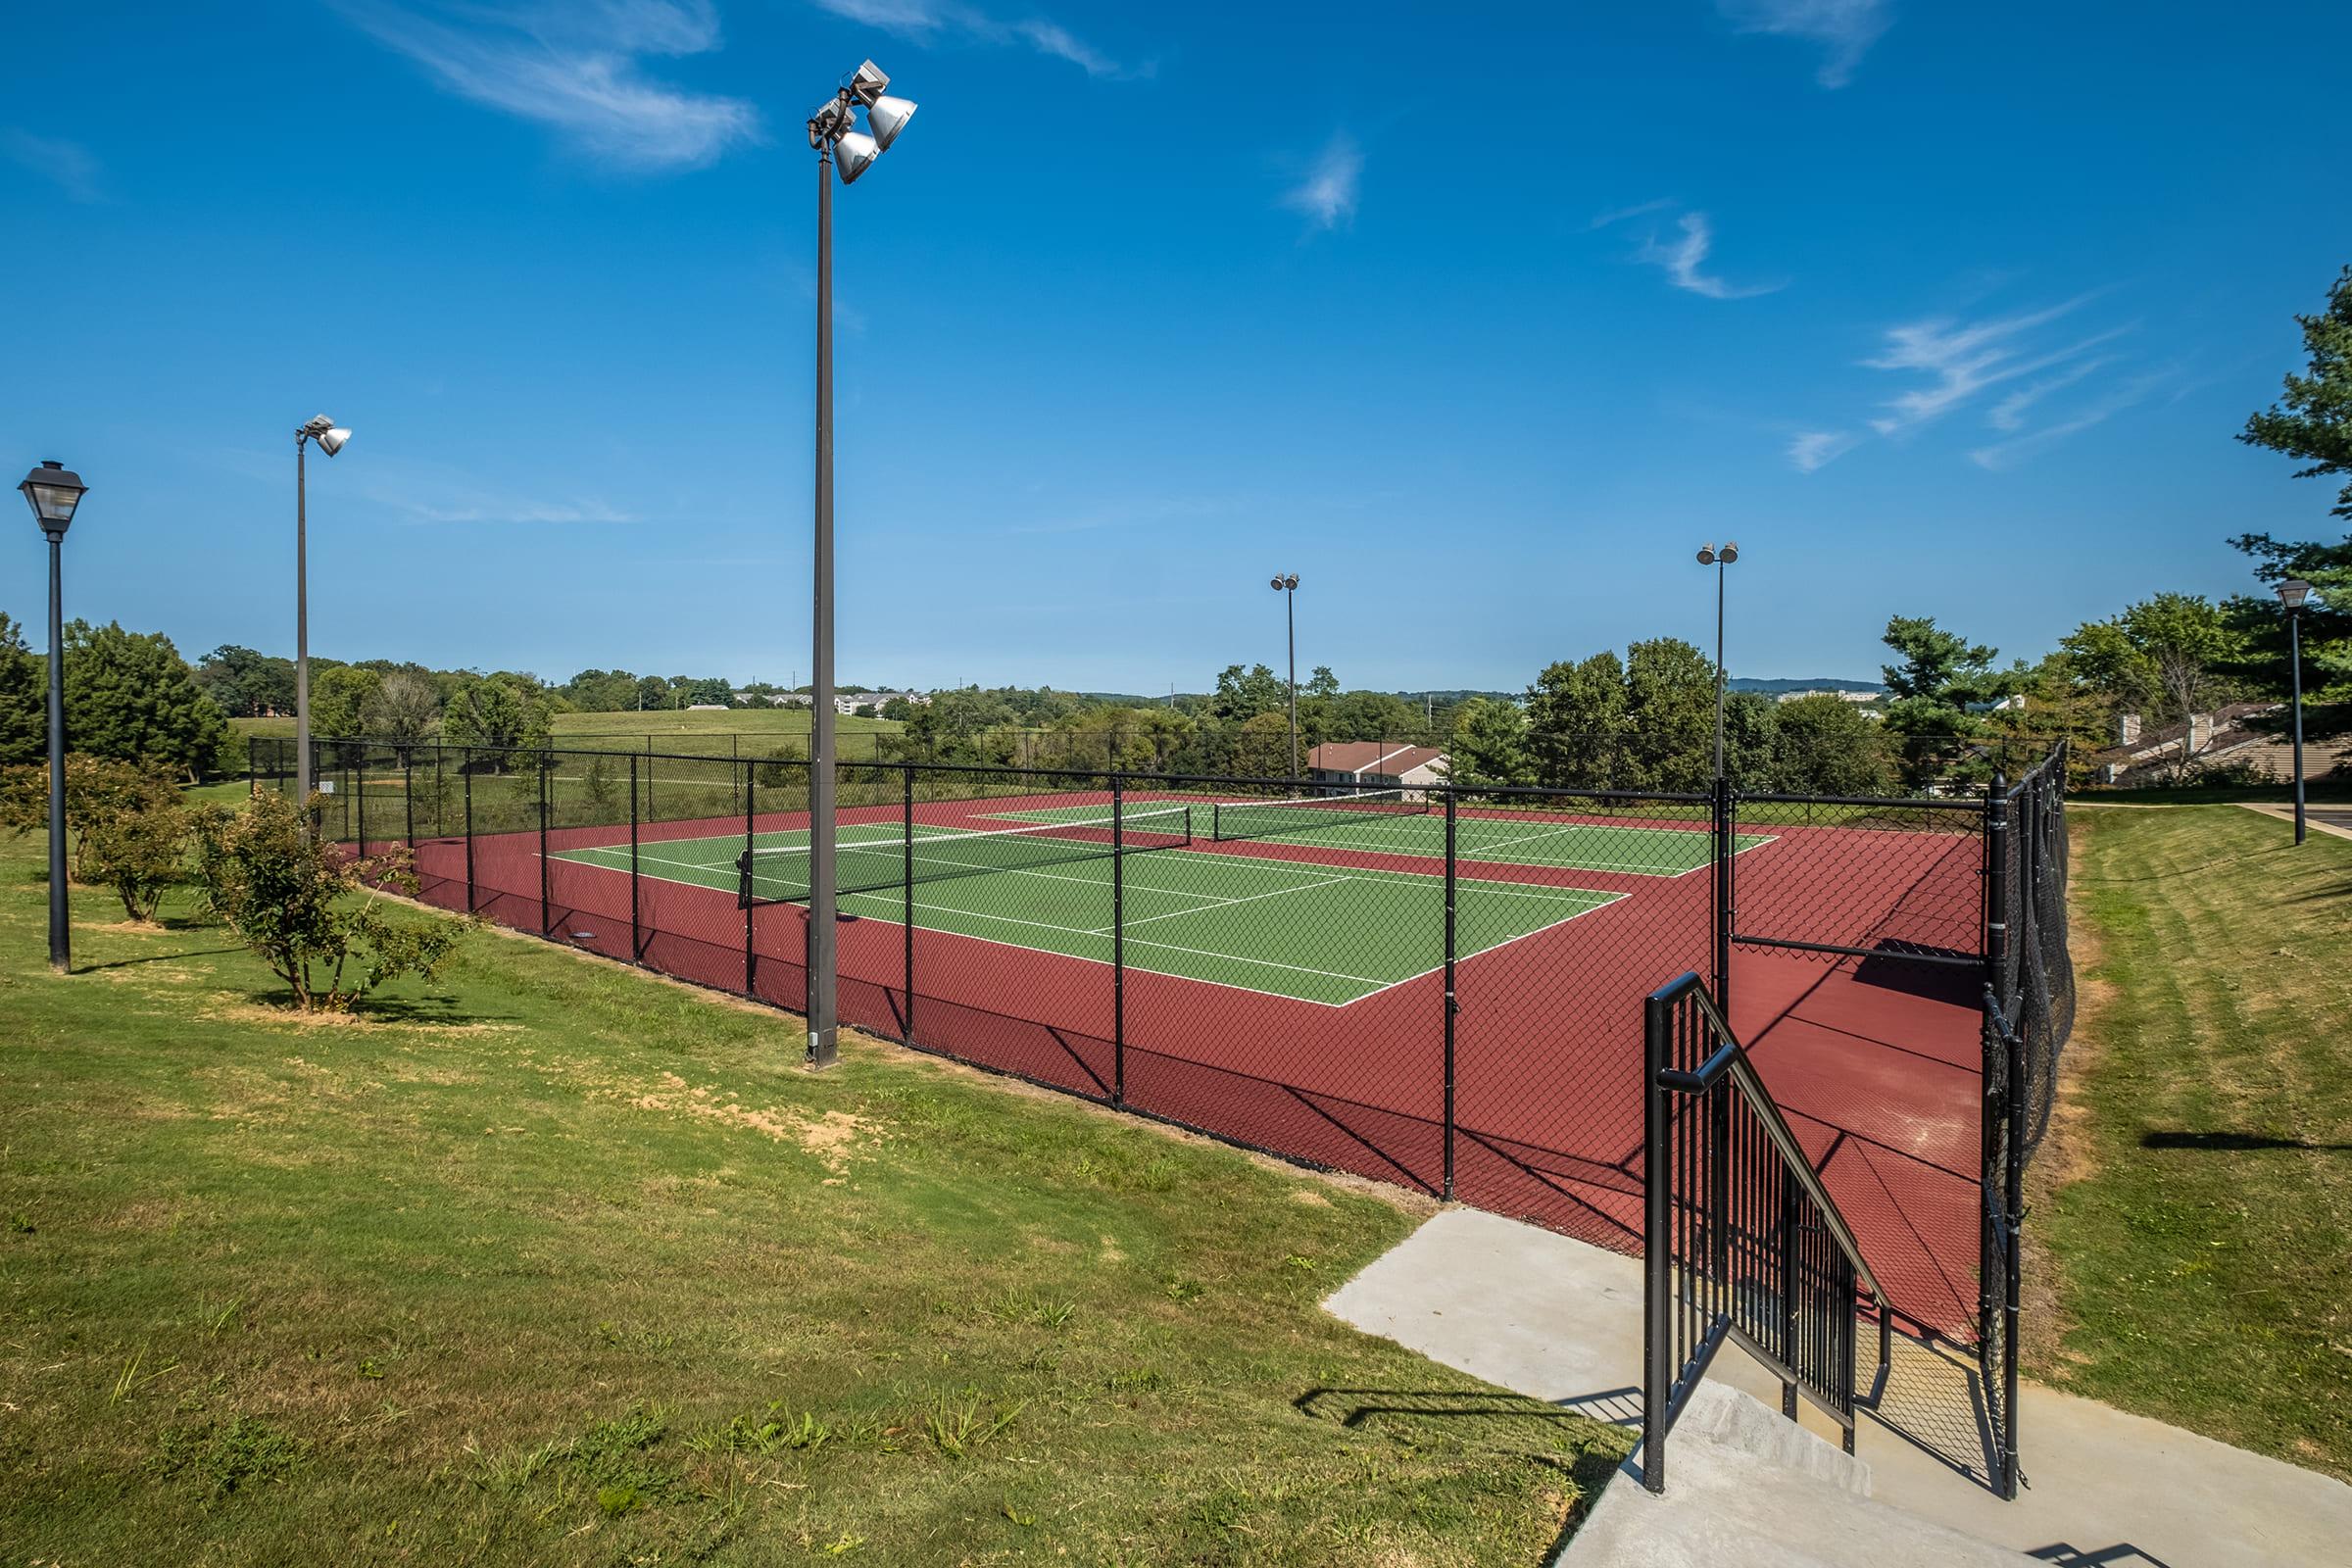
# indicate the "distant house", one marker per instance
pixel 1375 764
pixel 2142 756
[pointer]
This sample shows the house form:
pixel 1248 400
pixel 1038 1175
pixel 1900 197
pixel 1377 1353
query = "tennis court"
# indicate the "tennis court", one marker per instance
pixel 1188 911
pixel 1395 822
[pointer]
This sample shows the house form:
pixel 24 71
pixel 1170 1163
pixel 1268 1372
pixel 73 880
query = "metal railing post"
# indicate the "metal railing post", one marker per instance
pixel 1118 942
pixel 1657 1248
pixel 1452 1001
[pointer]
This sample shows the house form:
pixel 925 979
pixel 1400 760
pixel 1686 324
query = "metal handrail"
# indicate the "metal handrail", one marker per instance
pixel 1731 1058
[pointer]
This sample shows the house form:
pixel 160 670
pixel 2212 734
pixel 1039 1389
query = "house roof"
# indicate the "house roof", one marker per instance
pixel 2228 728
pixel 1372 757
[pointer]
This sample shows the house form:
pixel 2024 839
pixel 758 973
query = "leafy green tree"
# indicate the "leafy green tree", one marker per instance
pixel 2313 422
pixel 131 696
pixel 897 710
pixel 23 699
pixel 602 691
pixel 1242 696
pixel 1575 721
pixel 245 683
pixel 404 710
pixel 1670 715
pixel 1262 749
pixel 1489 744
pixel 1322 683
pixel 1826 746
pixel 652 692
pixel 128 827
pixel 308 911
pixel 339 698
pixel 495 710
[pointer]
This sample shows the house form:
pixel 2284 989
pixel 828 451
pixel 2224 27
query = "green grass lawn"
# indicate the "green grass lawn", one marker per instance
pixel 553 1262
pixel 2201 1229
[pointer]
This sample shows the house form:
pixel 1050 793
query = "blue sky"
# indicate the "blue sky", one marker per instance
pixel 1479 325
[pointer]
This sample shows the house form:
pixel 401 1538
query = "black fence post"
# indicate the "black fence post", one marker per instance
pixel 1657 1248
pixel 742 776
pixel 253 772
pixel 636 925
pixel 465 772
pixel 1720 812
pixel 1452 1002
pixel 354 800
pixel 906 926
pixel 1119 942
pixel 648 779
pixel 545 910
pixel 1994 1264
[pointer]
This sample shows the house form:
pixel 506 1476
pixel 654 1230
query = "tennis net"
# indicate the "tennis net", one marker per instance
pixel 1260 819
pixel 780 874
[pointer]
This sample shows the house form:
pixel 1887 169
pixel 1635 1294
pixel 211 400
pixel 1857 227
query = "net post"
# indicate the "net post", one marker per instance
pixel 1453 1001
pixel 907 888
pixel 741 773
pixel 636 927
pixel 1118 942
pixel 540 763
pixel 465 772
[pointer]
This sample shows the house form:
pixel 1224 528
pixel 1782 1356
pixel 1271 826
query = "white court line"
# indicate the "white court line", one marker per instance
pixel 1215 903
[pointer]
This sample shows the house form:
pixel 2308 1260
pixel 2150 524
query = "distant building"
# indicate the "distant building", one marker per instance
pixel 1841 696
pixel 1375 764
pixel 2142 756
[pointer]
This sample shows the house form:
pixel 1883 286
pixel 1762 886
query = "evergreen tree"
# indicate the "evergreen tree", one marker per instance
pixel 23 699
pixel 131 696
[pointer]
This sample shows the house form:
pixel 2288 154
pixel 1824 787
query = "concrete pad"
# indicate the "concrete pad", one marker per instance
pixel 1561 1321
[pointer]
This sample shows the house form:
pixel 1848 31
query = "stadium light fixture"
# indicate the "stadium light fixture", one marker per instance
pixel 1287 585
pixel 2292 593
pixel 54 491
pixel 838 144
pixel 330 437
pixel 1709 556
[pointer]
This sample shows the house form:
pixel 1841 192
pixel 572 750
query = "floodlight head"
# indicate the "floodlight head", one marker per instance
pixel 332 439
pixel 1277 583
pixel 886 117
pixel 1731 553
pixel 2292 593
pixel 868 84
pixel 1706 554
pixel 318 424
pixel 52 491
pixel 854 152
pixel 1292 581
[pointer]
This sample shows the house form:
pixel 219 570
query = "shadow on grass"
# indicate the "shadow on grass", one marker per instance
pixel 2231 1143
pixel 156 958
pixel 437 1010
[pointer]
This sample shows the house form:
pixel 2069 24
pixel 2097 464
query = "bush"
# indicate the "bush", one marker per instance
pixel 129 826
pixel 308 911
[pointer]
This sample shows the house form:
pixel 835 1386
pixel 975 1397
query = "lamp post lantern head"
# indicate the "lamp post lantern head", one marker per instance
pixel 2292 592
pixel 854 152
pixel 52 491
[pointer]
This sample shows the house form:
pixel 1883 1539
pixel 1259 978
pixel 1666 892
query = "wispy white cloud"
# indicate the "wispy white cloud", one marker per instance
pixel 2123 394
pixel 1810 449
pixel 575 66
pixel 68 165
pixel 929 21
pixel 1961 358
pixel 1621 214
pixel 1844 29
pixel 1327 194
pixel 2010 413
pixel 1683 257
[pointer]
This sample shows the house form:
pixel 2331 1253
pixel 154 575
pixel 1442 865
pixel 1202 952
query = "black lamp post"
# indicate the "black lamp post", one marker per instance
pixel 330 438
pixel 834 135
pixel 1286 583
pixel 2292 593
pixel 1709 556
pixel 54 491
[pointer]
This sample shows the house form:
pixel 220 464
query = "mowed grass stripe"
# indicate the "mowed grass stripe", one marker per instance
pixel 1311 933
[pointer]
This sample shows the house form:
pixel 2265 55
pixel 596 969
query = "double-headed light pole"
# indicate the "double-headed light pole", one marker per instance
pixel 834 134
pixel 1286 583
pixel 2292 594
pixel 1709 556
pixel 54 491
pixel 330 437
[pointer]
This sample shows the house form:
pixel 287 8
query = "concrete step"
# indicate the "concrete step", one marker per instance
pixel 1745 1486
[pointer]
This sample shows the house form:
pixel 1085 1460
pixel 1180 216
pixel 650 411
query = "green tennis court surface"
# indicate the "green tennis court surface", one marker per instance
pixel 1641 850
pixel 1325 934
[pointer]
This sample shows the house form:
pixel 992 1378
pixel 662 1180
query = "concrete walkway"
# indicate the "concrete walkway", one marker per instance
pixel 2331 818
pixel 1561 1321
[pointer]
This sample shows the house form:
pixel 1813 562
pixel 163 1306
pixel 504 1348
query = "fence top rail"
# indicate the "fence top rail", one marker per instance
pixel 1932 802
pixel 1730 1060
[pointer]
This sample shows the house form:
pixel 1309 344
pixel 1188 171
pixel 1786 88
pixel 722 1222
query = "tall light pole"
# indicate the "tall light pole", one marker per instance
pixel 54 491
pixel 330 437
pixel 1287 585
pixel 2292 593
pixel 833 132
pixel 1709 556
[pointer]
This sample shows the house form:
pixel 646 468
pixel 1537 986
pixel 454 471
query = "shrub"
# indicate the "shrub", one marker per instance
pixel 308 909
pixel 129 829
